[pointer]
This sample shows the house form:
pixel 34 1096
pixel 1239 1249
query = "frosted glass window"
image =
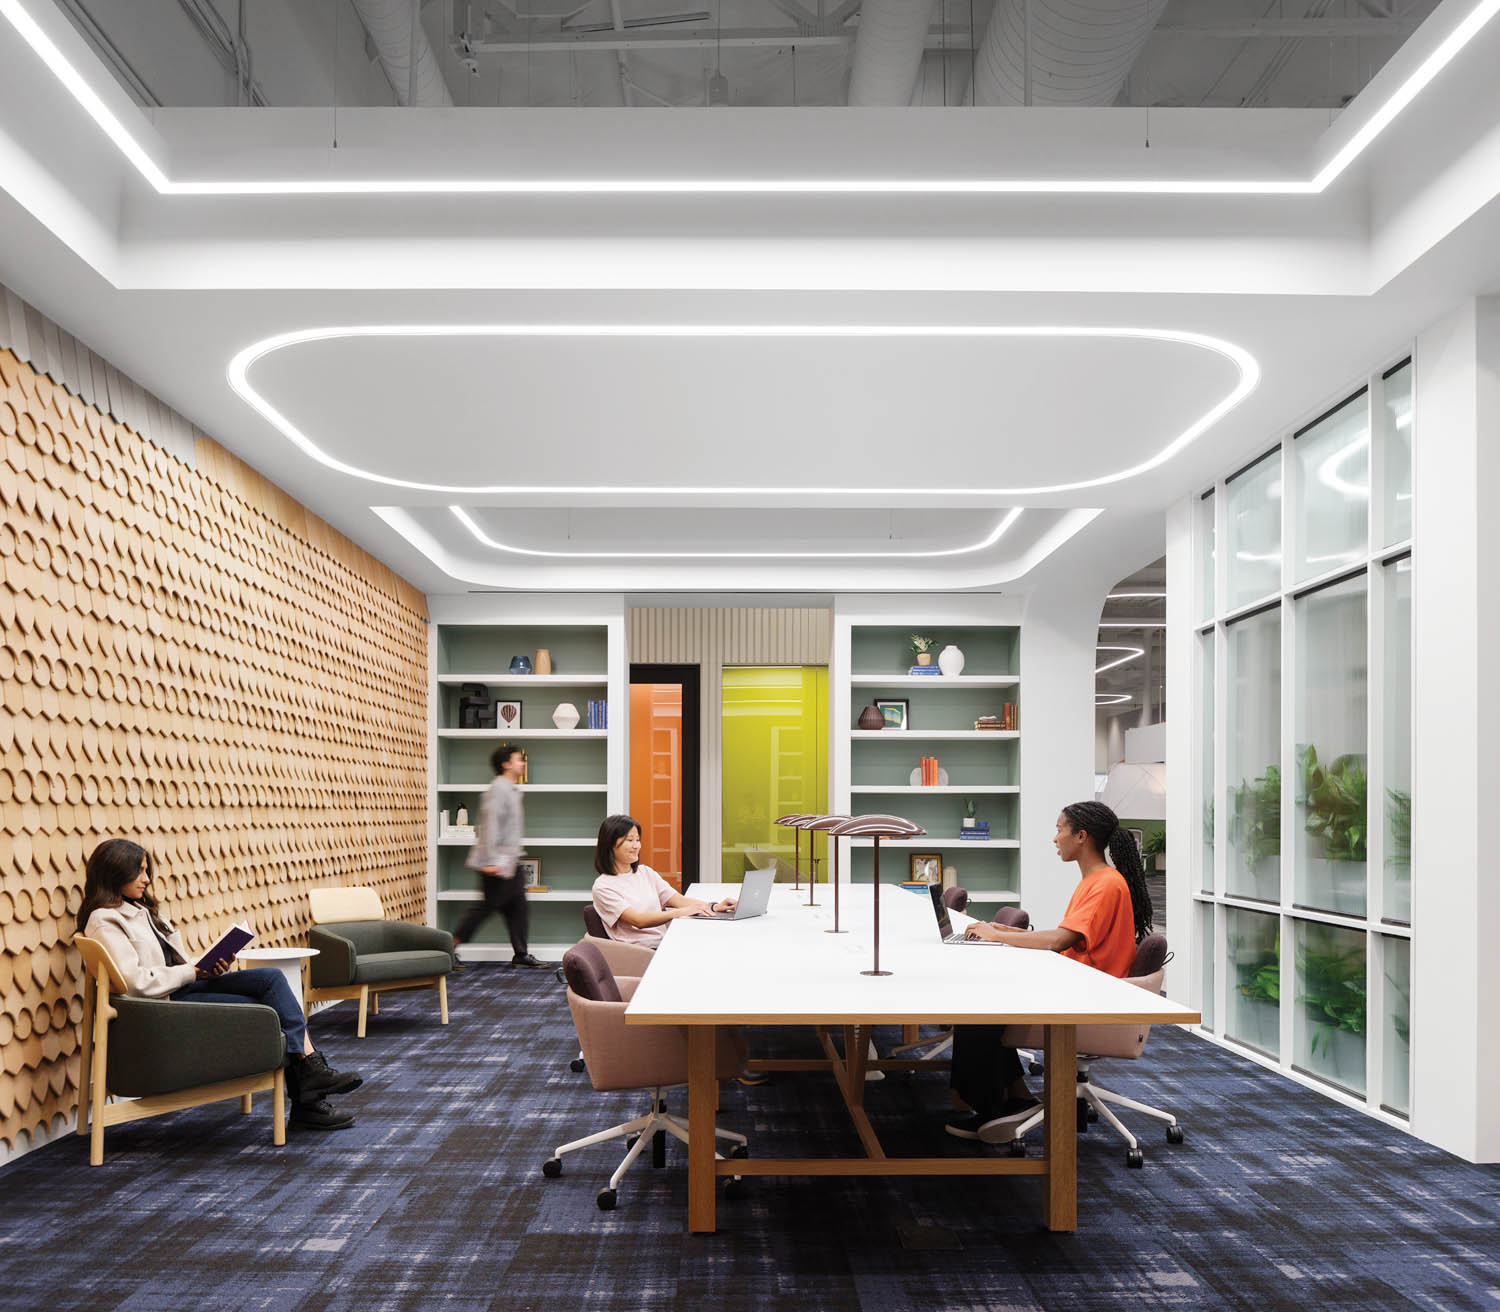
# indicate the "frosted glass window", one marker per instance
pixel 1254 966
pixel 1395 1076
pixel 1206 962
pixel 1332 748
pixel 1398 425
pixel 1253 531
pixel 1206 557
pixel 1252 786
pixel 1329 1016
pixel 1397 703
pixel 1206 714
pixel 1333 489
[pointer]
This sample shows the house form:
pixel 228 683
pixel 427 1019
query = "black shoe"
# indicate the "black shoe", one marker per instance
pixel 528 961
pixel 318 1079
pixel 319 1115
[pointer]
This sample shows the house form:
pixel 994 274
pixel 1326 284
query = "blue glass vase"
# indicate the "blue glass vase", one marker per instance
pixel 520 664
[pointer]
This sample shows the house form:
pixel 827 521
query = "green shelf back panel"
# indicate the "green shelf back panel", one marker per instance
pixel 488 648
pixel 887 761
pixel 950 707
pixel 886 649
pixel 562 868
pixel 940 813
pixel 548 922
pixel 979 867
pixel 538 701
pixel 550 760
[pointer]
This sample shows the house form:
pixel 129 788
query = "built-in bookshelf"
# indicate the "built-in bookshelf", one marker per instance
pixel 980 767
pixel 569 783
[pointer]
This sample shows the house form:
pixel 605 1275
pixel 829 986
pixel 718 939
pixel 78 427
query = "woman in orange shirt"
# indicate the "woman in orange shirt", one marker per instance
pixel 1108 914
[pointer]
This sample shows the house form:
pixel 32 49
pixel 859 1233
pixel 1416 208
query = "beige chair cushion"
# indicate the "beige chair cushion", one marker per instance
pixel 331 905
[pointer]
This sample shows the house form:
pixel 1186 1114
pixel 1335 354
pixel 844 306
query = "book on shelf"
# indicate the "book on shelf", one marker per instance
pixel 929 771
pixel 989 722
pixel 974 835
pixel 925 669
pixel 226 949
pixel 598 714
pixel 538 888
pixel 1008 716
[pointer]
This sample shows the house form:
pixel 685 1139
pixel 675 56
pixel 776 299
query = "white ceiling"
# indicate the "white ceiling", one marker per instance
pixel 1317 288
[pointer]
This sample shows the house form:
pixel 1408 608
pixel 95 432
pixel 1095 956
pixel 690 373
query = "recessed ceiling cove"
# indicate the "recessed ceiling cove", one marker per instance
pixel 814 412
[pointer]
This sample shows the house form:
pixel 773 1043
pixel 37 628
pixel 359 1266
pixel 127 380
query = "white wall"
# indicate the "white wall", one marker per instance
pixel 1456 707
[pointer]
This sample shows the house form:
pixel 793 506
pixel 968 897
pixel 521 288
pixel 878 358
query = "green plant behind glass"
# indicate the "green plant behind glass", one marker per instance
pixel 1333 991
pixel 1335 798
pixel 1398 814
pixel 1255 822
pixel 1154 844
pixel 1260 978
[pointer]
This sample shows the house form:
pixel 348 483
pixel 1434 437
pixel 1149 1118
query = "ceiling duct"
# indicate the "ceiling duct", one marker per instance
pixel 396 33
pixel 1081 50
pixel 888 51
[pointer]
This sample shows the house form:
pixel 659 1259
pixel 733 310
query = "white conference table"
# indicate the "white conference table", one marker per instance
pixel 783 968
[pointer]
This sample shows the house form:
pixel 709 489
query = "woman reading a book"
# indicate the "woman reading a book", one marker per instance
pixel 119 912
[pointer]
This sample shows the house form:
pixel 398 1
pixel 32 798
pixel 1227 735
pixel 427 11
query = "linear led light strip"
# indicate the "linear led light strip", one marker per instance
pixel 1123 660
pixel 79 88
pixel 484 539
pixel 239 379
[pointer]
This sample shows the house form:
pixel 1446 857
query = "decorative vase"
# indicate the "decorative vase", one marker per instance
pixel 924 658
pixel 463 817
pixel 951 660
pixel 565 716
pixel 520 664
pixel 543 662
pixel 871 718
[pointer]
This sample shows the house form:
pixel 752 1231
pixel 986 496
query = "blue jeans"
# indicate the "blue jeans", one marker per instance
pixel 265 985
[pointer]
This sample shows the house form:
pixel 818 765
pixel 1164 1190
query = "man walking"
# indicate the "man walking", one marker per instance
pixel 494 855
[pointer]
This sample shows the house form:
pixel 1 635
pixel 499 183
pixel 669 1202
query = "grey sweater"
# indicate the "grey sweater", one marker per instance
pixel 501 824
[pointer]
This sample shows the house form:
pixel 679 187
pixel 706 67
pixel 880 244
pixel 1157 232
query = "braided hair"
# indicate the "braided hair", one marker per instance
pixel 1103 826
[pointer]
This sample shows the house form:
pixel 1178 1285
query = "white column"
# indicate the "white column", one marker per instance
pixel 1456 704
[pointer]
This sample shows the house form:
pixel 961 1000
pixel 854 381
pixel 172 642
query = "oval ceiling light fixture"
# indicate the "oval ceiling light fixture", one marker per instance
pixel 110 122
pixel 238 374
pixel 1112 698
pixel 484 539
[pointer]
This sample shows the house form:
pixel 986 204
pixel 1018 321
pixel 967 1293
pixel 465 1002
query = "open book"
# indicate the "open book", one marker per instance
pixel 232 940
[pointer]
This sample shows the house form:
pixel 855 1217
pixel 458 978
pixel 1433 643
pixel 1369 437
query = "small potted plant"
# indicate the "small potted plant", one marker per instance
pixel 1154 848
pixel 922 646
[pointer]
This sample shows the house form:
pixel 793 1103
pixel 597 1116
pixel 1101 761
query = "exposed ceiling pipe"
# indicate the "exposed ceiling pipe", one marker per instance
pixel 888 51
pixel 1080 50
pixel 405 53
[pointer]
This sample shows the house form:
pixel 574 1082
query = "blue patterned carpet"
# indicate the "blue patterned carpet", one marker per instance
pixel 1278 1198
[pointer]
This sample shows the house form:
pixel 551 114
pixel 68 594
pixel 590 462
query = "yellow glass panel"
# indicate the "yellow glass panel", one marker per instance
pixel 775 760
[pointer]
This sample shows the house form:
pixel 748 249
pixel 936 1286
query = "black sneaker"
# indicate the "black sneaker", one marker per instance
pixel 526 960
pixel 318 1079
pixel 319 1114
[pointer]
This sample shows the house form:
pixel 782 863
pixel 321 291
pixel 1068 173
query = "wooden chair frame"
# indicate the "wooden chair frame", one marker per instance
pixel 101 979
pixel 369 994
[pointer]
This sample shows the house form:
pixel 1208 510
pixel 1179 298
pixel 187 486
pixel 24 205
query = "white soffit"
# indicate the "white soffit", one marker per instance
pixel 1440 40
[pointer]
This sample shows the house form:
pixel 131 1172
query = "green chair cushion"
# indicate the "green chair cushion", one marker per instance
pixel 374 967
pixel 159 1046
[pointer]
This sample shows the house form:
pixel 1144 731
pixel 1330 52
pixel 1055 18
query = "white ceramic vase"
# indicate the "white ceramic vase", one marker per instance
pixel 951 660
pixel 565 716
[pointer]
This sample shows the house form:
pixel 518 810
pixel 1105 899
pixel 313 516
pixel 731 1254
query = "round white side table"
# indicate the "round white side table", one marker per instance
pixel 287 960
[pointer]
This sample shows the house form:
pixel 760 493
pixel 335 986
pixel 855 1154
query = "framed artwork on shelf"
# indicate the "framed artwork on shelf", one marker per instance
pixel 507 715
pixel 926 868
pixel 529 868
pixel 895 709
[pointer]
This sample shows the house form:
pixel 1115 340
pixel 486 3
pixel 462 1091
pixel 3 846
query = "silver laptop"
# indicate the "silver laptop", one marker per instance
pixel 945 922
pixel 755 893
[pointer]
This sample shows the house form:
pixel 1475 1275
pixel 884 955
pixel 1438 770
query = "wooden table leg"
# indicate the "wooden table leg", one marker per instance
pixel 703 1087
pixel 1060 1184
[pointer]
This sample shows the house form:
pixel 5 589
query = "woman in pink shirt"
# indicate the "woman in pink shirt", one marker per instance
pixel 634 902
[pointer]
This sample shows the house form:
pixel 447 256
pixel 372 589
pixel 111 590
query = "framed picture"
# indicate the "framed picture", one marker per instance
pixel 895 710
pixel 926 868
pixel 507 715
pixel 529 868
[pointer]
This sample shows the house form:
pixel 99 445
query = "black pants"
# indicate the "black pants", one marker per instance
pixel 983 1068
pixel 504 897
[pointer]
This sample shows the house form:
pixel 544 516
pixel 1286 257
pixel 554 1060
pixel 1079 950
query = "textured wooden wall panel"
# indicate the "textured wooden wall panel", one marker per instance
pixel 191 659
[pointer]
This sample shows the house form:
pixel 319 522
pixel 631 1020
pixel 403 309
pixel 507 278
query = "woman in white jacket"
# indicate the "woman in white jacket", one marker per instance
pixel 119 912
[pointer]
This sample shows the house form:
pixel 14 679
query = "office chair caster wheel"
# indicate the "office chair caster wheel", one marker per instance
pixel 1174 1134
pixel 1135 1158
pixel 1018 1148
pixel 1083 1117
pixel 606 1200
pixel 659 1149
pixel 576 1065
pixel 1036 1068
pixel 1093 1115
pixel 739 1150
pixel 630 1140
pixel 734 1187
pixel 552 1167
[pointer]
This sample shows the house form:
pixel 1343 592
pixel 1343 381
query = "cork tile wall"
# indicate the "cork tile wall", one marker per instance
pixel 190 659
